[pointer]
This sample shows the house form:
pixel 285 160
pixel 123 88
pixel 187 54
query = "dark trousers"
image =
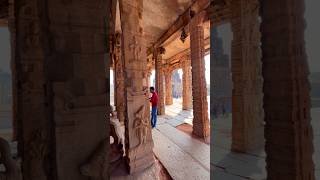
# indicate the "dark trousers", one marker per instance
pixel 153 117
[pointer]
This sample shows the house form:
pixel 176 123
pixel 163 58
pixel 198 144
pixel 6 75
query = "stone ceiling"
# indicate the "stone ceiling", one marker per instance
pixel 159 15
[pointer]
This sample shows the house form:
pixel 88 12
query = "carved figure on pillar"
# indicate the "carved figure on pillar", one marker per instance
pixel 139 141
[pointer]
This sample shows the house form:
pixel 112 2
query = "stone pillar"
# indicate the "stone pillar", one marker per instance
pixel 199 89
pixel 138 127
pixel 288 131
pixel 247 110
pixel 149 76
pixel 168 81
pixel 159 79
pixel 35 127
pixel 119 79
pixel 187 84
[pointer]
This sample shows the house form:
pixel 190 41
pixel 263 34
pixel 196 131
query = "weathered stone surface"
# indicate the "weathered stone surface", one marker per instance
pixel 119 78
pixel 168 85
pixel 247 111
pixel 187 84
pixel 199 90
pixel 138 129
pixel 160 79
pixel 288 132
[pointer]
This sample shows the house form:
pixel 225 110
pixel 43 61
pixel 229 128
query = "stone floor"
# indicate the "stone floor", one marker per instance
pixel 227 165
pixel 183 156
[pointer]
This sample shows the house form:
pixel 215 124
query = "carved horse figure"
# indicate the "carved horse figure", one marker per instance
pixel 12 171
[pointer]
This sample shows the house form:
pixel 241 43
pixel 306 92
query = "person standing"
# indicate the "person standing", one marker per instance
pixel 154 104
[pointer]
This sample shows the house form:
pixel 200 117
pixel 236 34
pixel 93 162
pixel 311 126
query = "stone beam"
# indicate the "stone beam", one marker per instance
pixel 181 55
pixel 182 21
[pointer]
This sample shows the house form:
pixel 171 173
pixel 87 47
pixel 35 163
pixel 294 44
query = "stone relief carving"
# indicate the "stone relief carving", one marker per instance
pixel 12 170
pixel 141 125
pixel 97 167
pixel 37 150
pixel 135 48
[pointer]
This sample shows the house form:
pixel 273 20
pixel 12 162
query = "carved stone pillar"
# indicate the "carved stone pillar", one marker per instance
pixel 168 81
pixel 119 79
pixel 159 79
pixel 247 111
pixel 35 127
pixel 187 84
pixel 288 131
pixel 138 127
pixel 199 89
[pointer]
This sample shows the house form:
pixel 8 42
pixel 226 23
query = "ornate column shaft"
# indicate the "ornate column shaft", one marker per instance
pixel 187 84
pixel 247 111
pixel 168 81
pixel 159 79
pixel 119 79
pixel 199 89
pixel 138 128
pixel 288 131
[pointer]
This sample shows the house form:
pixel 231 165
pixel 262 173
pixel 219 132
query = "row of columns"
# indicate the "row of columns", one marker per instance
pixel 194 83
pixel 281 98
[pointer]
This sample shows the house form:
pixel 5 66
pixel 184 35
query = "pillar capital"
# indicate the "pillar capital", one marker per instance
pixel 197 21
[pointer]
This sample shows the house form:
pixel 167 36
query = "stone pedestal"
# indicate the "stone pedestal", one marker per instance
pixel 159 79
pixel 187 84
pixel 168 81
pixel 247 110
pixel 199 90
pixel 288 131
pixel 138 127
